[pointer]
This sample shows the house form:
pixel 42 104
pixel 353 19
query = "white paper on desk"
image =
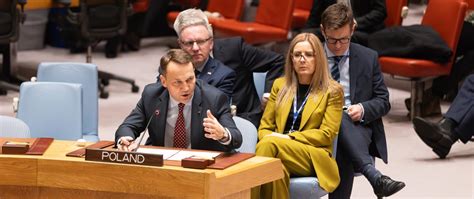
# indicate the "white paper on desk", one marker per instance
pixel 186 154
pixel 167 153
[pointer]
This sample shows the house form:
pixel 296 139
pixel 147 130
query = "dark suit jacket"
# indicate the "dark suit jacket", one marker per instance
pixel 245 59
pixel 218 75
pixel 154 101
pixel 368 88
pixel 369 14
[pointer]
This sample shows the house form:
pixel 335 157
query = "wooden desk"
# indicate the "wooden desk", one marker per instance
pixel 46 4
pixel 57 176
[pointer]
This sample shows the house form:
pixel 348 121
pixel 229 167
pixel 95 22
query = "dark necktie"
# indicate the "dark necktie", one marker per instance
pixel 179 140
pixel 335 68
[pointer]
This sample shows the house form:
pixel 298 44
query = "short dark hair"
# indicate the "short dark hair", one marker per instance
pixel 174 55
pixel 336 16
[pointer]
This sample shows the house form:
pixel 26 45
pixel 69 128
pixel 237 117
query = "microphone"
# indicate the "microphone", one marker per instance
pixel 142 134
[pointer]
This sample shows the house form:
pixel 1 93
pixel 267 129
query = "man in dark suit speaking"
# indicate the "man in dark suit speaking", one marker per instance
pixel 180 111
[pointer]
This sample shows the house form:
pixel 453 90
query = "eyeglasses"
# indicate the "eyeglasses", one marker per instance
pixel 307 55
pixel 341 40
pixel 190 44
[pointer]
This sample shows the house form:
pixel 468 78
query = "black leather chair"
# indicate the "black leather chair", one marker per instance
pixel 10 17
pixel 100 20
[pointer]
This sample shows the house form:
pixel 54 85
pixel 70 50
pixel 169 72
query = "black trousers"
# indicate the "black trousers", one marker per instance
pixel 352 153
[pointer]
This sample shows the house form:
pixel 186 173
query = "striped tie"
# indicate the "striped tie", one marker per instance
pixel 335 68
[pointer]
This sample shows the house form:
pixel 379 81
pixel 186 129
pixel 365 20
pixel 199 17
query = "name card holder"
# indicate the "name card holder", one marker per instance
pixel 196 162
pixel 124 157
pixel 15 147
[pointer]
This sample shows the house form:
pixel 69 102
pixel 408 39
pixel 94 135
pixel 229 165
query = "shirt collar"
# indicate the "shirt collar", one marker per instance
pixel 329 52
pixel 201 67
pixel 174 103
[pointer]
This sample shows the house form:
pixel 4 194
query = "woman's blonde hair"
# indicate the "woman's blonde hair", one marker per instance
pixel 321 80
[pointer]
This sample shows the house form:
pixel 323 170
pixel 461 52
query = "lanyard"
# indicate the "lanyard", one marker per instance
pixel 297 112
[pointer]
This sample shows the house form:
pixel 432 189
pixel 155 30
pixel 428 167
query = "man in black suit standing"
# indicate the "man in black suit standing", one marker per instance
pixel 458 123
pixel 368 14
pixel 366 99
pixel 180 111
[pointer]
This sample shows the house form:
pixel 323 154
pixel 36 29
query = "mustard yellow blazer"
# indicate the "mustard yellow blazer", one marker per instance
pixel 320 122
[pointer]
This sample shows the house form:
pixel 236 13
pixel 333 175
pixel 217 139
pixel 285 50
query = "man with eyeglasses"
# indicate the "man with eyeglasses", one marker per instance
pixel 195 38
pixel 366 99
pixel 369 16
pixel 242 58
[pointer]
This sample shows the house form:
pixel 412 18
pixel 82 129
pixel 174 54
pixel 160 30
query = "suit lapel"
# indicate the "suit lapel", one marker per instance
pixel 353 71
pixel 311 105
pixel 208 69
pixel 160 112
pixel 196 116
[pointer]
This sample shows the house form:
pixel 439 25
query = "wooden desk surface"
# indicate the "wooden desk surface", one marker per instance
pixel 54 174
pixel 45 4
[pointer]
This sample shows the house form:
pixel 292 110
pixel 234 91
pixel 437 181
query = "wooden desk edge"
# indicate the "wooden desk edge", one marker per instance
pixel 235 180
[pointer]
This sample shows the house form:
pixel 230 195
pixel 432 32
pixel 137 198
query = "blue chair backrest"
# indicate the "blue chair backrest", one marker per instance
pixel 51 109
pixel 259 82
pixel 13 127
pixel 79 73
pixel 249 134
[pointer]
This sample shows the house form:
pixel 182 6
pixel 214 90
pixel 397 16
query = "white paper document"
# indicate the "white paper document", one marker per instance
pixel 167 153
pixel 170 154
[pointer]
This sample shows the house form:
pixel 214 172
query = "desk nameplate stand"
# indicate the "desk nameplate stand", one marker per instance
pixel 10 147
pixel 23 146
pixel 124 157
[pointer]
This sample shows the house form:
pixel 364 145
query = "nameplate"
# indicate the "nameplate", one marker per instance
pixel 124 157
pixel 11 147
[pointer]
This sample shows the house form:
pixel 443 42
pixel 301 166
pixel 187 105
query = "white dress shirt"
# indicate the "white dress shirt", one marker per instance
pixel 344 79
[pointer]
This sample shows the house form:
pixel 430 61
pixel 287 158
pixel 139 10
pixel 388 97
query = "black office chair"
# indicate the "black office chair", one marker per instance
pixel 10 18
pixel 100 20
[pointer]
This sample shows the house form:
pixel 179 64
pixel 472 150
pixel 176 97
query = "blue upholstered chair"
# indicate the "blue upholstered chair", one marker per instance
pixel 79 73
pixel 249 134
pixel 259 82
pixel 308 187
pixel 51 109
pixel 300 187
pixel 13 127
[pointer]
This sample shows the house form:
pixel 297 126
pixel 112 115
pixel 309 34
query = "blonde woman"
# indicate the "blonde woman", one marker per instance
pixel 302 119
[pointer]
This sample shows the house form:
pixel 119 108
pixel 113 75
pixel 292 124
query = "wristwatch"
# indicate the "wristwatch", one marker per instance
pixel 225 137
